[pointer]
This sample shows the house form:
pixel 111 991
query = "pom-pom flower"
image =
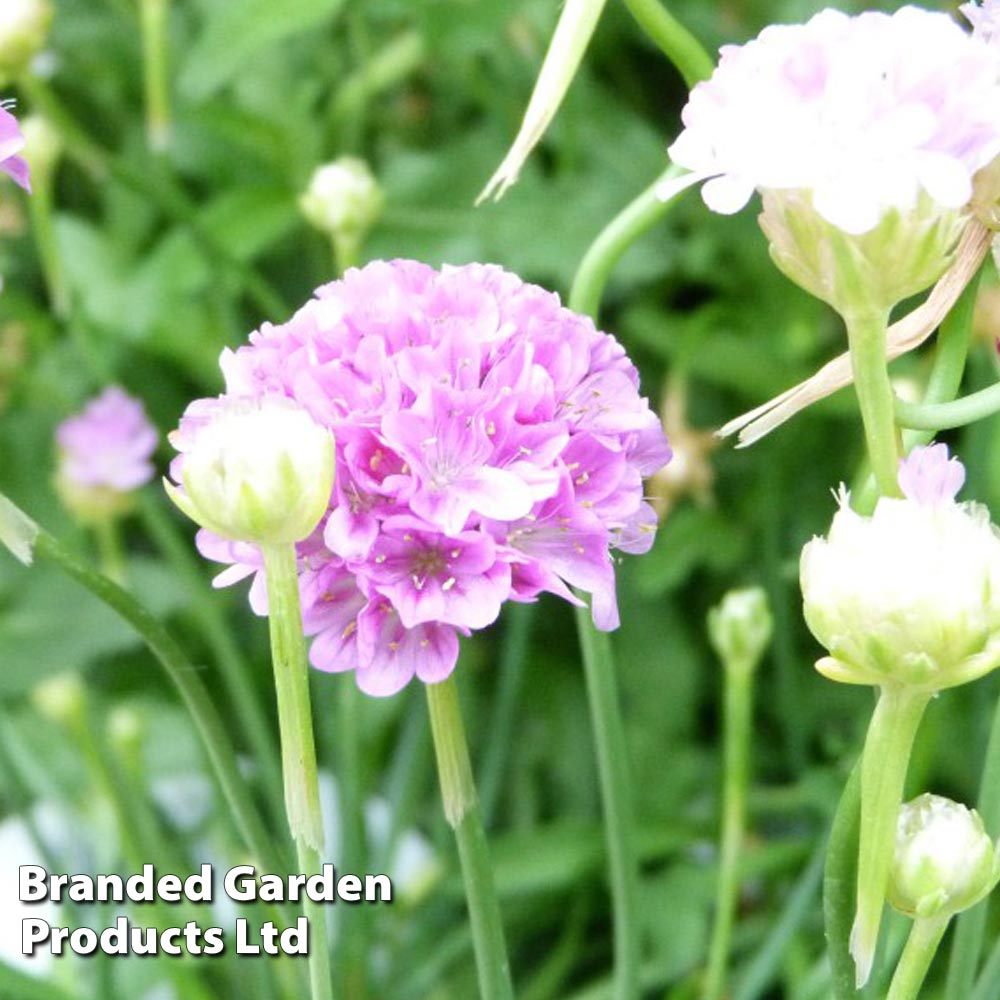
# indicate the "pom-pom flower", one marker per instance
pixel 864 135
pixel 945 861
pixel 11 144
pixel 104 456
pixel 490 445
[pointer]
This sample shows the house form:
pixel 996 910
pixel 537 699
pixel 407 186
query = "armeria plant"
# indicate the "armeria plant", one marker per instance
pixel 417 446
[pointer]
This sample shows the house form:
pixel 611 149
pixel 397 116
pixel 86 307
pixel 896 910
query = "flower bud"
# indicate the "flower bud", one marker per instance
pixel 43 145
pixel 944 861
pixel 343 199
pixel 24 28
pixel 62 698
pixel 911 595
pixel 125 732
pixel 740 628
pixel 253 470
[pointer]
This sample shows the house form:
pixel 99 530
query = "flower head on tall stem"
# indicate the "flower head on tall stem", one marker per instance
pixel 105 455
pixel 490 445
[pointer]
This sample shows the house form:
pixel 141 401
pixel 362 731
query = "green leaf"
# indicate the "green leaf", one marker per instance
pixel 237 32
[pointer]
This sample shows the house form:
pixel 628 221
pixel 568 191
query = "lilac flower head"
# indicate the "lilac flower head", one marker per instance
pixel 11 143
pixel 490 445
pixel 928 476
pixel 105 454
pixel 862 115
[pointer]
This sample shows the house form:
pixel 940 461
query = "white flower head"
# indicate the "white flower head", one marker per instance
pixel 864 123
pixel 910 595
pixel 944 862
pixel 343 198
pixel 253 470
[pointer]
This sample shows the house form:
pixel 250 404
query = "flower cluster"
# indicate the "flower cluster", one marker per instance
pixel 864 113
pixel 11 144
pixel 911 594
pixel 104 455
pixel 490 445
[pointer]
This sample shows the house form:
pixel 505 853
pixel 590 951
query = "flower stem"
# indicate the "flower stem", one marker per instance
pixel 637 218
pixel 156 78
pixel 41 207
pixel 673 39
pixel 944 416
pixel 183 676
pixel 291 681
pixel 737 727
pixel 866 334
pixel 612 766
pixel 921 946
pixel 461 809
pixel 107 532
pixel 883 775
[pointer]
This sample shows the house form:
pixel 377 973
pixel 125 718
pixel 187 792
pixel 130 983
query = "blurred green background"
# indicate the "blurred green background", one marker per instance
pixel 167 258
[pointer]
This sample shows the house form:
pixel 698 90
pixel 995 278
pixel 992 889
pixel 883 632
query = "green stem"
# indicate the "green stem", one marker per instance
pixel 619 823
pixel 737 728
pixel 298 749
pixel 108 534
pixel 985 988
pixel 866 335
pixel 40 205
pixel 888 744
pixel 346 253
pixel 156 78
pixel 944 416
pixel 921 946
pixel 633 221
pixel 839 881
pixel 674 40
pixel 184 678
pixel 235 671
pixel 461 809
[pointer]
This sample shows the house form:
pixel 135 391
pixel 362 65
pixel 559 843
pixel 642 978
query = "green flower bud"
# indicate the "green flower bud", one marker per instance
pixel 254 470
pixel 43 145
pixel 945 862
pixel 24 29
pixel 343 199
pixel 740 628
pixel 62 698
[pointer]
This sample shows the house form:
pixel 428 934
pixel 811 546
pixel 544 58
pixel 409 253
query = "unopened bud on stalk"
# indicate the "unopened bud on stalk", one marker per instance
pixel 740 628
pixel 62 698
pixel 43 145
pixel 24 29
pixel 343 199
pixel 252 470
pixel 945 862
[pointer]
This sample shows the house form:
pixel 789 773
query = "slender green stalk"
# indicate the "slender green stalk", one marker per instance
pixel 866 335
pixel 108 534
pixel 185 679
pixel 737 730
pixel 41 207
pixel 839 882
pixel 603 255
pixel 298 749
pixel 957 413
pixel 346 252
pixel 461 809
pixel 921 946
pixel 986 984
pixel 616 795
pixel 218 637
pixel 156 78
pixel 674 40
pixel 883 775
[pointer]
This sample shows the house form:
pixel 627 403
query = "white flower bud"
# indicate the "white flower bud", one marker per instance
pixel 908 596
pixel 253 470
pixel 43 145
pixel 61 698
pixel 24 28
pixel 740 628
pixel 944 861
pixel 343 199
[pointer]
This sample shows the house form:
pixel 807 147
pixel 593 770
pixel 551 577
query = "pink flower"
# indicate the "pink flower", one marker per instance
pixel 984 18
pixel 109 444
pixel 928 476
pixel 491 445
pixel 11 143
pixel 861 114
